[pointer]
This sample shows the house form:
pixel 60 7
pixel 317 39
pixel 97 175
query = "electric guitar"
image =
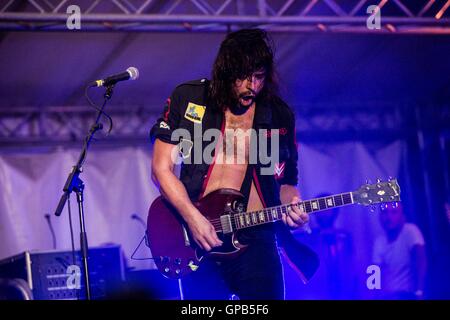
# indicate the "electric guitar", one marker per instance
pixel 176 254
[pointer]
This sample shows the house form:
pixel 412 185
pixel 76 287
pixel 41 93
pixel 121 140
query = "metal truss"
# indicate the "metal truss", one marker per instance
pixel 397 16
pixel 54 126
pixel 376 122
pixel 370 121
pixel 67 126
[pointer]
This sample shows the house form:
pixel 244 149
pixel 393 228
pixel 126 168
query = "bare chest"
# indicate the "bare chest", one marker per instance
pixel 237 134
pixel 232 153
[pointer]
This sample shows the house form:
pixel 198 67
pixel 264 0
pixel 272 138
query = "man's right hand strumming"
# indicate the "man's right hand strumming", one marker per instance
pixel 202 231
pixel 173 190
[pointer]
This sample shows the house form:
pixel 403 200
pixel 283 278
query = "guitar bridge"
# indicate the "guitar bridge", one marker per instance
pixel 225 222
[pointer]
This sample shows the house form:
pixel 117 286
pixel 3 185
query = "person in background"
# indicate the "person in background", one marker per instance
pixel 400 254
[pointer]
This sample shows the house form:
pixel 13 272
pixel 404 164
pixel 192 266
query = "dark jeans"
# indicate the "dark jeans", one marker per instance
pixel 256 274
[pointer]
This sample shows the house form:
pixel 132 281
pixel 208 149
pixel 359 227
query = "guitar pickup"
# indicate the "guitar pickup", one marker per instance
pixel 225 222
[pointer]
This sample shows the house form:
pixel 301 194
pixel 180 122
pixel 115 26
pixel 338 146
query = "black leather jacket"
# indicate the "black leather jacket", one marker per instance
pixel 188 108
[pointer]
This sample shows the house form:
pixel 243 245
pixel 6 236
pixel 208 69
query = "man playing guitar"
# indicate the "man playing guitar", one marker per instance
pixel 240 97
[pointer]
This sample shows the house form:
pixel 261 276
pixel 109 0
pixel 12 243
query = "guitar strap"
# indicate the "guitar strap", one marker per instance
pixel 302 259
pixel 246 184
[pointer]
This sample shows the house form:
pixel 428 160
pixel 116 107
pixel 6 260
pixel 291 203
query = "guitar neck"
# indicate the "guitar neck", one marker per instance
pixel 272 214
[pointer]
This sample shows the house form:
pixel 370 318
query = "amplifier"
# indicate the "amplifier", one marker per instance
pixel 58 275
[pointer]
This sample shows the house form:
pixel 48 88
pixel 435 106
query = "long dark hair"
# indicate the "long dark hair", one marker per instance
pixel 241 54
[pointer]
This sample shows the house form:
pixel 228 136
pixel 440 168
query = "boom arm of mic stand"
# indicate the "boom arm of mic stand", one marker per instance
pixel 72 179
pixel 68 188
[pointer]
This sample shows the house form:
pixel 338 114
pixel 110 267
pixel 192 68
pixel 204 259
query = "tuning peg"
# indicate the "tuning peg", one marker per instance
pixel 390 178
pixel 394 205
pixel 378 183
pixel 368 181
pixel 383 206
pixel 372 208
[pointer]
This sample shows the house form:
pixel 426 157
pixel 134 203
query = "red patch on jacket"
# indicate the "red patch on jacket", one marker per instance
pixel 279 170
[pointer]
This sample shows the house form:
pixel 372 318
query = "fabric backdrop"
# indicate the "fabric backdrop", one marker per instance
pixel 118 185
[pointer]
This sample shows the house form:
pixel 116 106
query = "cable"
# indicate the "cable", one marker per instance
pixel 135 250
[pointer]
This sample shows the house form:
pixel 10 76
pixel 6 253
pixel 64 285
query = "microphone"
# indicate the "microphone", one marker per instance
pixel 47 217
pixel 131 73
pixel 134 216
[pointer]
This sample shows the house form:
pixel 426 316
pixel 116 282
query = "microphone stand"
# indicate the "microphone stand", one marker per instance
pixel 74 183
pixel 47 217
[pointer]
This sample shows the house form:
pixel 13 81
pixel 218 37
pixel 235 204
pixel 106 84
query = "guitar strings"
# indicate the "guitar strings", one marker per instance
pixel 344 198
pixel 218 224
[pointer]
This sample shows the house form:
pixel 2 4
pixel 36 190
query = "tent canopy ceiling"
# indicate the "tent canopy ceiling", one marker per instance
pixel 50 69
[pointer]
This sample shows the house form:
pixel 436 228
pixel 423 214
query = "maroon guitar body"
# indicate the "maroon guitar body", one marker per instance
pixel 174 251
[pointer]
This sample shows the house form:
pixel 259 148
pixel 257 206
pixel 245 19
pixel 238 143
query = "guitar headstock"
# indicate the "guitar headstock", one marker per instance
pixel 380 192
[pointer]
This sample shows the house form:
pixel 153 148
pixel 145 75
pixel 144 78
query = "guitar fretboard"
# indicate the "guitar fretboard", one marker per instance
pixel 272 214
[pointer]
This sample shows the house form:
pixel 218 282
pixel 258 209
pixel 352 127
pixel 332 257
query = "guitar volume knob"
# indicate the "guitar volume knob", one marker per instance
pixel 238 206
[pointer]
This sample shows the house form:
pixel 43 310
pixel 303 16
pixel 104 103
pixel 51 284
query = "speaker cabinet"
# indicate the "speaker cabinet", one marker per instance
pixel 58 275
